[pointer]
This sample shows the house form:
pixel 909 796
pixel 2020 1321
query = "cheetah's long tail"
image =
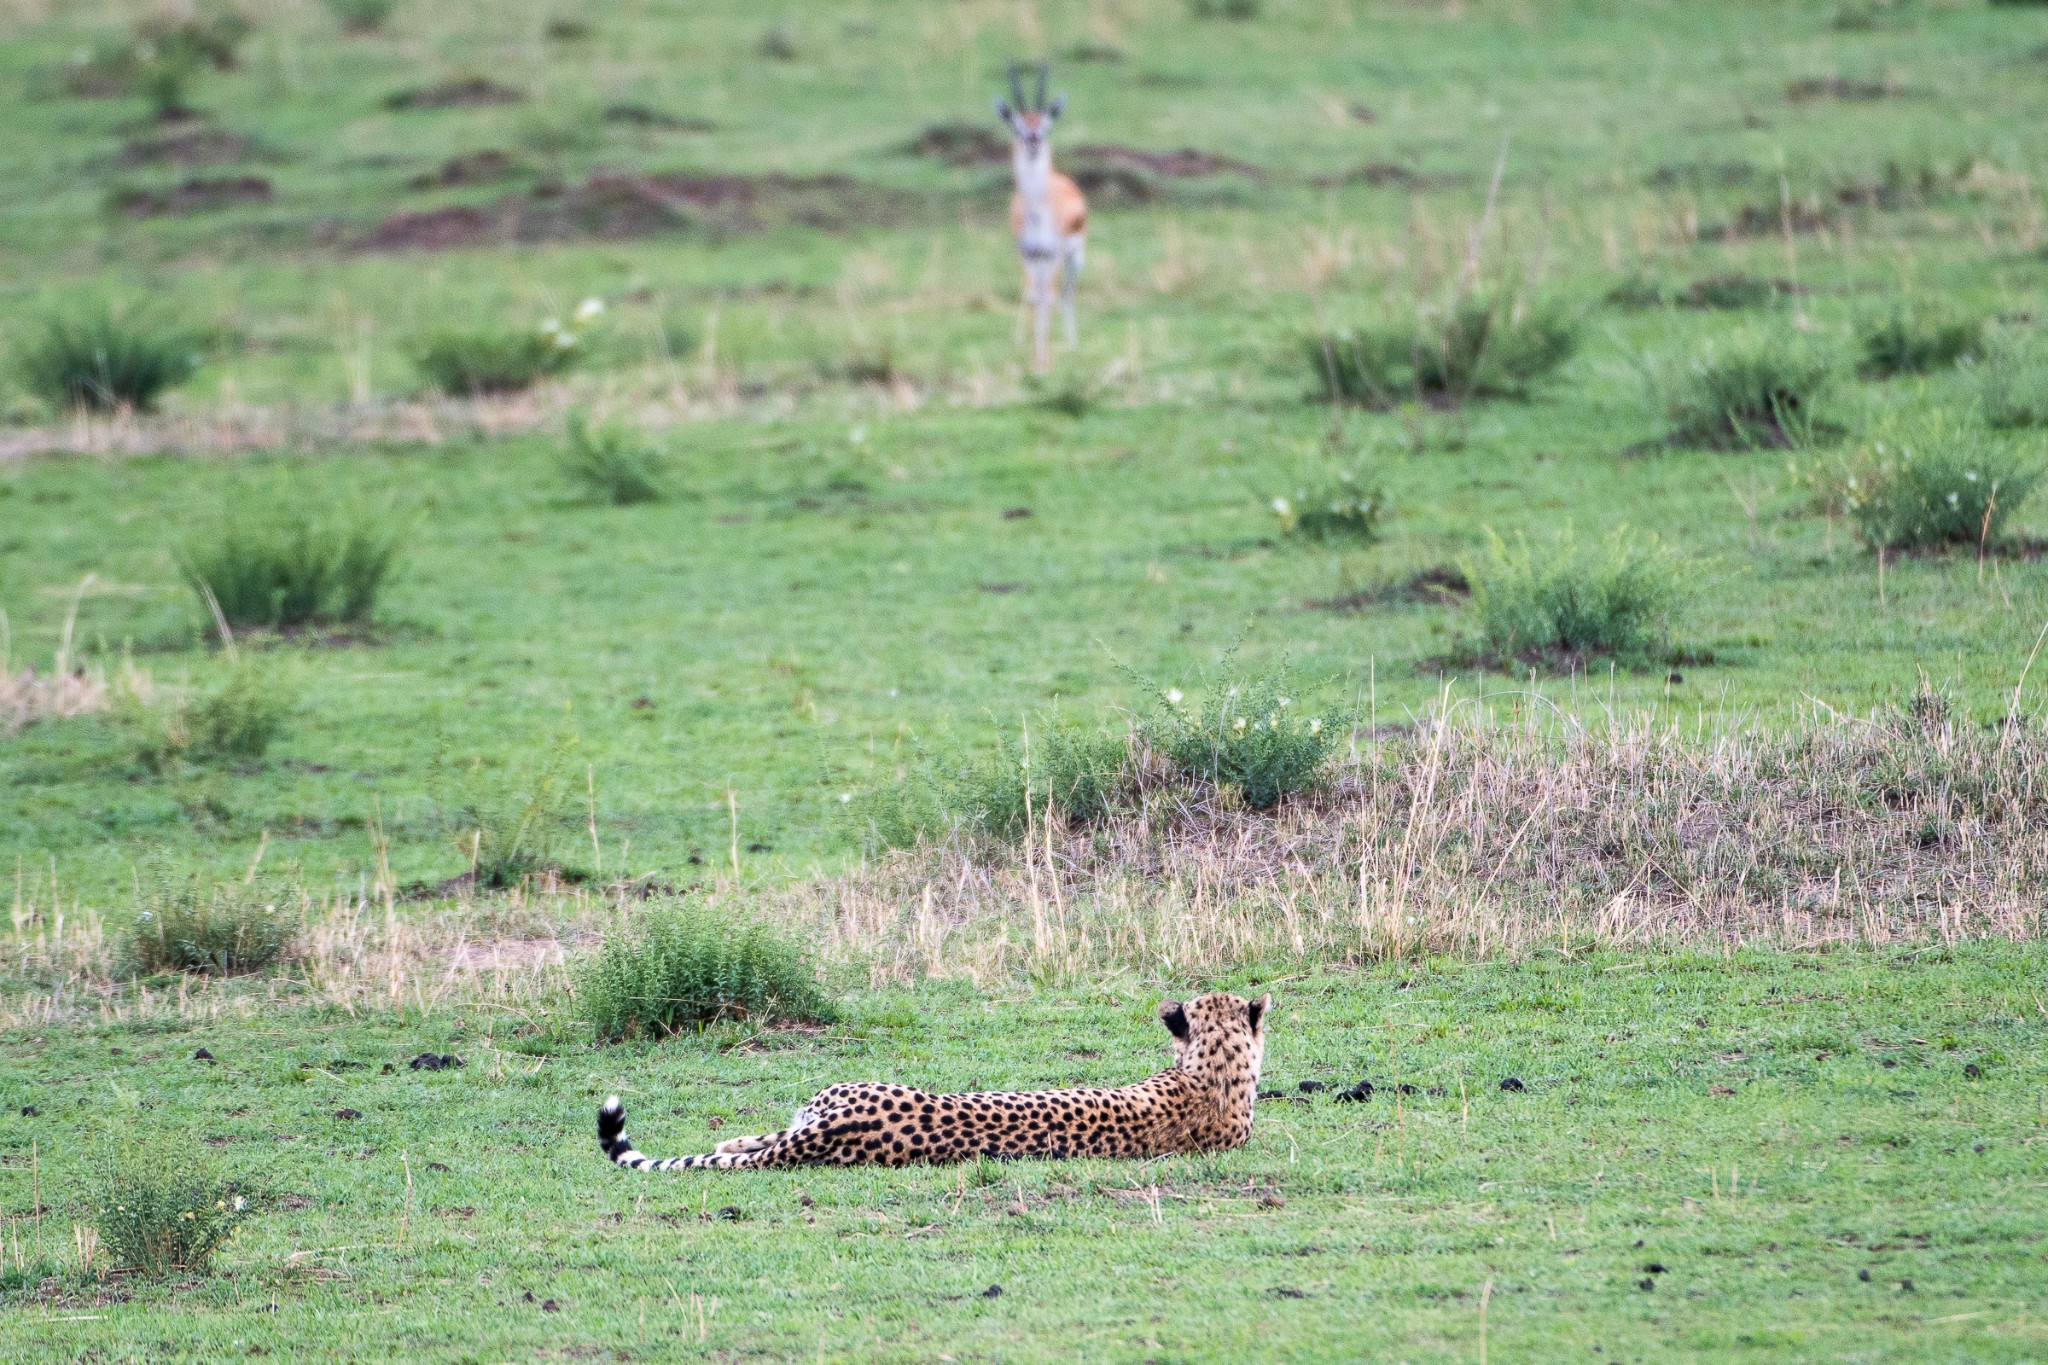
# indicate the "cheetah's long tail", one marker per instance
pixel 611 1136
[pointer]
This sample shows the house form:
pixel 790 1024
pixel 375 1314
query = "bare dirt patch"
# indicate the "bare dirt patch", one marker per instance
pixel 467 92
pixel 471 168
pixel 1434 586
pixel 187 147
pixel 446 229
pixel 961 144
pixel 200 194
pixel 646 116
pixel 1843 88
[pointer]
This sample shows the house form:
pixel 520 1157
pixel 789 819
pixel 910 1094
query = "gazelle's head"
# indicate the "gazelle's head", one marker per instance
pixel 1030 121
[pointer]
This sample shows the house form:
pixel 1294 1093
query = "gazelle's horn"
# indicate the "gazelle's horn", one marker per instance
pixel 1044 72
pixel 1017 87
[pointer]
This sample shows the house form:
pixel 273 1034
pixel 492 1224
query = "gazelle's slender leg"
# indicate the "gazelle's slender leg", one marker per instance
pixel 1041 270
pixel 1070 280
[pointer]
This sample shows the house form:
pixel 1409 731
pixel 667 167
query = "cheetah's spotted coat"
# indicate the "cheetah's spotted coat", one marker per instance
pixel 1202 1102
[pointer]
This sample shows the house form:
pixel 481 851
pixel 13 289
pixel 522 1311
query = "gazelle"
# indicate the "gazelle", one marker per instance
pixel 1047 214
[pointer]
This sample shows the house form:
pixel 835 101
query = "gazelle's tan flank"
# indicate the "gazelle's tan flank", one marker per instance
pixel 1048 214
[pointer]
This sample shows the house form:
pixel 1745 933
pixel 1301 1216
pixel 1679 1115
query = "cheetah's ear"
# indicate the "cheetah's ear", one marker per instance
pixel 1256 1010
pixel 1175 1018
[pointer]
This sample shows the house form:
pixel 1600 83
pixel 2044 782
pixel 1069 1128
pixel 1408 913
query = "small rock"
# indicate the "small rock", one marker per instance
pixel 1272 1095
pixel 1272 1201
pixel 1405 1089
pixel 348 1113
pixel 1973 1071
pixel 1646 1283
pixel 1978 1149
pixel 1655 1267
pixel 550 1306
pixel 1357 1094
pixel 806 1200
pixel 1283 1292
pixel 527 1297
pixel 1513 1084
pixel 1674 676
pixel 1016 513
pixel 1311 1087
pixel 437 1165
pixel 1905 1286
pixel 436 1061
pixel 994 1291
pixel 1864 1274
pixel 202 1055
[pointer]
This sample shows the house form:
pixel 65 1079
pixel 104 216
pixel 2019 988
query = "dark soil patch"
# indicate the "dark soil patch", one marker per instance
pixel 1898 188
pixel 1185 163
pixel 197 195
pixel 1382 175
pixel 960 144
pixel 1698 174
pixel 471 168
pixel 645 116
pixel 1434 586
pixel 448 229
pixel 1098 53
pixel 1772 219
pixel 468 92
pixel 1842 88
pixel 187 147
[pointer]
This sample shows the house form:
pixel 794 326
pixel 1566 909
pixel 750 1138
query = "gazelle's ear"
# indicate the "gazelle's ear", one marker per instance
pixel 1003 110
pixel 1256 1010
pixel 1059 102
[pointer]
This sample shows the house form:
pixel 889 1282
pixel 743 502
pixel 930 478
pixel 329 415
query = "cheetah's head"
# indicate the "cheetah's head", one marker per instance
pixel 1218 1034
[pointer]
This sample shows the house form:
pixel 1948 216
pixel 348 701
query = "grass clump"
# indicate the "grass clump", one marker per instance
pixel 1904 342
pixel 361 16
pixel 1250 739
pixel 1941 483
pixel 1226 9
pixel 1567 602
pixel 686 965
pixel 162 1209
pixel 2012 383
pixel 610 464
pixel 212 928
pixel 105 361
pixel 1055 765
pixel 1344 504
pixel 1478 348
pixel 1757 392
pixel 508 822
pixel 236 723
pixel 287 571
pixel 483 361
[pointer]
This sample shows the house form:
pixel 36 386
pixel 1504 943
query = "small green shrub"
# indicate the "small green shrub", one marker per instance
pixel 214 928
pixel 235 724
pixel 508 821
pixel 1567 600
pixel 1479 348
pixel 1082 774
pixel 685 965
pixel 1250 738
pixel 1636 293
pixel 1756 391
pixel 1729 293
pixel 1226 9
pixel 2012 383
pixel 611 464
pixel 162 1209
pixel 473 363
pixel 1345 504
pixel 778 42
pixel 104 361
pixel 361 16
pixel 1914 343
pixel 287 571
pixel 1940 482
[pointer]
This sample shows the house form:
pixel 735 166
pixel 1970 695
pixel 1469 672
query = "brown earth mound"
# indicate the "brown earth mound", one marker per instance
pixel 197 195
pixel 434 230
pixel 961 144
pixel 190 147
pixel 1182 164
pixel 643 116
pixel 467 92
pixel 471 168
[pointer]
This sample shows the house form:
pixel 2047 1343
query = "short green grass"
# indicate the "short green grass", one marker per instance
pixel 1766 1128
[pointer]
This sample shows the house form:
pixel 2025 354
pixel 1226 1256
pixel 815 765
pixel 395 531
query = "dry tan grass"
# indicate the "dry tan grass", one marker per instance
pixel 1468 838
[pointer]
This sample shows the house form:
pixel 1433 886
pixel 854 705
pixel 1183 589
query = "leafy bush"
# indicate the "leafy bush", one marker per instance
pixel 1941 482
pixel 610 464
pixel 686 965
pixel 361 16
pixel 215 928
pixel 1250 738
pixel 235 724
pixel 485 362
pixel 508 822
pixel 263 569
pixel 1479 348
pixel 104 361
pixel 2012 383
pixel 1614 599
pixel 1915 343
pixel 1758 391
pixel 1346 504
pixel 161 1209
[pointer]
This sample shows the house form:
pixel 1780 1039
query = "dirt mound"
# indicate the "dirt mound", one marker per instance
pixel 191 147
pixel 467 92
pixel 197 195
pixel 1187 162
pixel 1772 219
pixel 643 116
pixel 1382 175
pixel 961 144
pixel 621 207
pixel 1842 88
pixel 471 168
pixel 446 229
pixel 1435 586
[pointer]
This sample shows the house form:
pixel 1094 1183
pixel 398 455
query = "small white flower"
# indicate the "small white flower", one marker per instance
pixel 1315 726
pixel 1280 506
pixel 589 309
pixel 1239 725
pixel 551 327
pixel 1954 501
pixel 1970 474
pixel 845 797
pixel 1173 695
pixel 565 341
pixel 1283 703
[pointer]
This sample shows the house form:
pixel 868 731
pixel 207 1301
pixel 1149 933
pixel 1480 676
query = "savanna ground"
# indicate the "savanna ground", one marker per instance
pixel 884 544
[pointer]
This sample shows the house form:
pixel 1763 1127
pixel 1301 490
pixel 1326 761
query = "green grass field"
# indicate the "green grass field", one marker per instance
pixel 882 546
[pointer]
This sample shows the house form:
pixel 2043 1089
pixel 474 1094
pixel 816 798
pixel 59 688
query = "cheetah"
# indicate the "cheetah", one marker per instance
pixel 1203 1102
